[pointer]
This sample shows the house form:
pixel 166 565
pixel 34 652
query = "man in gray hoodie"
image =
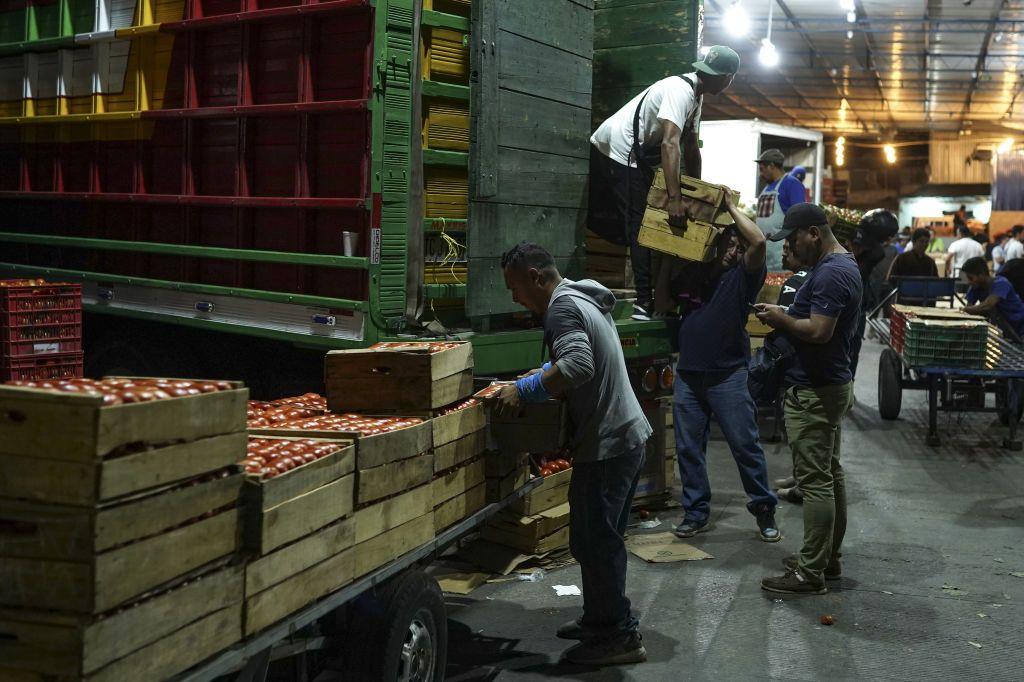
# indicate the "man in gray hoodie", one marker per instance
pixel 610 431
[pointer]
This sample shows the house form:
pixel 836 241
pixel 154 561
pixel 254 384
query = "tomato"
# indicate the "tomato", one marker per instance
pixel 563 464
pixel 546 471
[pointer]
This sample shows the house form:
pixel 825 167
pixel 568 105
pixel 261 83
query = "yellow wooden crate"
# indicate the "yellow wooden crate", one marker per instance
pixel 446 126
pixel 445 55
pixel 459 7
pixel 446 192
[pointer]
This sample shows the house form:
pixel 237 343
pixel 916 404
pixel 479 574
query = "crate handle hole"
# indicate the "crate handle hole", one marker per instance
pixel 15 416
pixel 381 370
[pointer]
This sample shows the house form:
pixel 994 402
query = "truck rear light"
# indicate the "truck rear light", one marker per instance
pixel 668 375
pixel 649 382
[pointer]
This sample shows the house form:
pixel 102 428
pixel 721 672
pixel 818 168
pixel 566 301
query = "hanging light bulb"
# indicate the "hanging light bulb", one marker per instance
pixel 890 153
pixel 768 55
pixel 1005 146
pixel 841 151
pixel 851 17
pixel 736 20
pixel 849 35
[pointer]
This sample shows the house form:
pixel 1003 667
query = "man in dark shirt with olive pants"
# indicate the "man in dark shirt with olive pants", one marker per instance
pixel 820 323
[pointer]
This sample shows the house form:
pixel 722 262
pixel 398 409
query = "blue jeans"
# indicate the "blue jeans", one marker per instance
pixel 698 396
pixel 600 496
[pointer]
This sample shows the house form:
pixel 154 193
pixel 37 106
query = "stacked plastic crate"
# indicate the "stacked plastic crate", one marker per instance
pixel 937 337
pixel 41 327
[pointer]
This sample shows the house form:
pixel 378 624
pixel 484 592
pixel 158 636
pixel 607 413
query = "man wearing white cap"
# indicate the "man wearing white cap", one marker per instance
pixel 657 128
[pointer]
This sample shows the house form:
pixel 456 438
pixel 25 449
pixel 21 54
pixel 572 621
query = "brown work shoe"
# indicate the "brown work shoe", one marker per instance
pixel 832 572
pixel 794 582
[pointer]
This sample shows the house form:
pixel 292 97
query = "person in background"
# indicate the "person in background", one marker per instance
pixel 999 252
pixel 989 295
pixel 711 380
pixel 821 324
pixel 1014 247
pixel 915 262
pixel 657 128
pixel 800 173
pixel 903 240
pixel 960 217
pixel 936 245
pixel 587 368
pixel 962 250
pixel 876 227
pixel 780 193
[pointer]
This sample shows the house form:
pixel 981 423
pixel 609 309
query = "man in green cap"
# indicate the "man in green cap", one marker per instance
pixel 657 128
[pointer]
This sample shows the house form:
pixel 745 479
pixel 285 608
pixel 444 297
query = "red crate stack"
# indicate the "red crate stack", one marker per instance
pixel 40 330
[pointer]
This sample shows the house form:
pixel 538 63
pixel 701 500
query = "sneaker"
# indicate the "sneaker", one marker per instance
pixel 769 529
pixel 792 495
pixel 614 651
pixel 640 313
pixel 794 582
pixel 687 529
pixel 780 483
pixel 834 571
pixel 572 630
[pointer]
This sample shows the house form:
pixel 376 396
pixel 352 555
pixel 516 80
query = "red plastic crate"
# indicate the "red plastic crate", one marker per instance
pixel 31 297
pixel 43 367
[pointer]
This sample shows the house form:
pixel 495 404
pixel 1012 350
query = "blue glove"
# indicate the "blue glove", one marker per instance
pixel 531 389
pixel 546 366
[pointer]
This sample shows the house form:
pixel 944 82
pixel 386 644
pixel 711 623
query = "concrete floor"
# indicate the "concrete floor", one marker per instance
pixel 934 536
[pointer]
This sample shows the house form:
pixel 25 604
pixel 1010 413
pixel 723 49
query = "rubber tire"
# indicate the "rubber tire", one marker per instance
pixel 378 625
pixel 890 387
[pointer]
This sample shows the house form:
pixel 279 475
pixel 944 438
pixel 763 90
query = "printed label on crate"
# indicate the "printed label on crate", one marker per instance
pixel 46 348
pixel 375 246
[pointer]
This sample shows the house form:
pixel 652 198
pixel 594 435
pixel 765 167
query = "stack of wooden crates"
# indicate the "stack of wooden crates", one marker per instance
pixel 117 529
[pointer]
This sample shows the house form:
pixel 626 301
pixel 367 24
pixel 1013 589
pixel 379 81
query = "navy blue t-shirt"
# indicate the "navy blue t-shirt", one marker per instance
pixel 834 289
pixel 1010 305
pixel 714 336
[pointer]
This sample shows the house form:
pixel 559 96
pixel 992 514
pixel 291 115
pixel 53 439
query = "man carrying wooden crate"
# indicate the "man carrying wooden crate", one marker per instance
pixel 587 368
pixel 657 128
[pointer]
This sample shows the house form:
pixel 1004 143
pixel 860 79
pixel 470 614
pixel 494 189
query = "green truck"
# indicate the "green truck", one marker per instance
pixel 240 184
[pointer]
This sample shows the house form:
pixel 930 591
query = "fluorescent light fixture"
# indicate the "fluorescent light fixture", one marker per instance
pixel 1005 146
pixel 851 17
pixel 768 55
pixel 736 20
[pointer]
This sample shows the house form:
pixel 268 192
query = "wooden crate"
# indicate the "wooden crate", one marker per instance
pixel 458 481
pixel 446 125
pixel 536 427
pixel 37 530
pixel 445 55
pixel 707 200
pixel 294 576
pixel 380 517
pixel 553 491
pixel 111 578
pixel 459 451
pixel 500 464
pixel 99 480
pixel 371 451
pixel 143 641
pixel 377 483
pixel 498 488
pixel 87 430
pixel 388 546
pixel 292 505
pixel 379 379
pixel 608 263
pixel 455 425
pixel 459 508
pixel 695 242
pixel 535 534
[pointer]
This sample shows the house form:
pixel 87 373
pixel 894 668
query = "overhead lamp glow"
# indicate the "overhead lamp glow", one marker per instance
pixel 1005 146
pixel 851 17
pixel 736 20
pixel 849 35
pixel 768 55
pixel 890 153
pixel 847 5
pixel 704 51
pixel 841 151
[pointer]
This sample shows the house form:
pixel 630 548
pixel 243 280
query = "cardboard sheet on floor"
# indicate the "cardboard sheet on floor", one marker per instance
pixel 496 558
pixel 461 583
pixel 658 548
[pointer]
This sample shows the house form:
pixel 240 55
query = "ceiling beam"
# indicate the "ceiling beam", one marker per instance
pixel 982 56
pixel 870 46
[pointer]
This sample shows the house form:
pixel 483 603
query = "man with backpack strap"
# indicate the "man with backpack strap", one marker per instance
pixel 657 128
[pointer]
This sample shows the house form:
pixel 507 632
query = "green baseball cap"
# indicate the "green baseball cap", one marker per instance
pixel 719 61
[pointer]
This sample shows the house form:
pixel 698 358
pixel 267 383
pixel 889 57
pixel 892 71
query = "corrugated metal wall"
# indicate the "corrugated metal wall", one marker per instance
pixel 948 160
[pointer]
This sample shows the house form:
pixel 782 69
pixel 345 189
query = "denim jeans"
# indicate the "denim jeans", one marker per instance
pixel 600 496
pixel 698 396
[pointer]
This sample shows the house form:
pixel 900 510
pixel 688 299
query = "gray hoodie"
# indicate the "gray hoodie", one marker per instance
pixel 605 415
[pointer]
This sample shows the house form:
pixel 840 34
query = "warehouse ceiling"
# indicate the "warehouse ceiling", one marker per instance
pixel 903 66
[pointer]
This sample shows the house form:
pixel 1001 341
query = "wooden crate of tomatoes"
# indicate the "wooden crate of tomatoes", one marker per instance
pixel 399 377
pixel 536 534
pixel 153 638
pixel 556 470
pixel 459 492
pixel 534 427
pixel 293 486
pixel 459 433
pixel 127 484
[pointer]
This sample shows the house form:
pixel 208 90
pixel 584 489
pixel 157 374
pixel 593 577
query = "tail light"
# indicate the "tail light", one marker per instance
pixel 649 382
pixel 668 375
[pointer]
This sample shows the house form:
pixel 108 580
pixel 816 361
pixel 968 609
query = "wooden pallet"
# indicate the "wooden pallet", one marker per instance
pixel 152 639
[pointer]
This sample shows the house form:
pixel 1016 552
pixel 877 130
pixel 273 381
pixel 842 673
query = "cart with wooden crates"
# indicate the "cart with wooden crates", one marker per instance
pixel 118 527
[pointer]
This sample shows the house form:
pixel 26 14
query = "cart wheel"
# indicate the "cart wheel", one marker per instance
pixel 401 633
pixel 890 384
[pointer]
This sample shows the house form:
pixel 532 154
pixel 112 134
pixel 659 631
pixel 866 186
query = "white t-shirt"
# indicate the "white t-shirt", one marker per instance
pixel 1013 250
pixel 964 249
pixel 669 99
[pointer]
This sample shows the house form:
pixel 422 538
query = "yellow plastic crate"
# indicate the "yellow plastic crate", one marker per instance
pixel 435 273
pixel 446 192
pixel 446 55
pixel 446 126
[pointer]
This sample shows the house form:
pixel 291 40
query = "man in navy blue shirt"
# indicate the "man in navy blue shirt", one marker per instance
pixel 821 324
pixel 714 350
pixel 989 295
